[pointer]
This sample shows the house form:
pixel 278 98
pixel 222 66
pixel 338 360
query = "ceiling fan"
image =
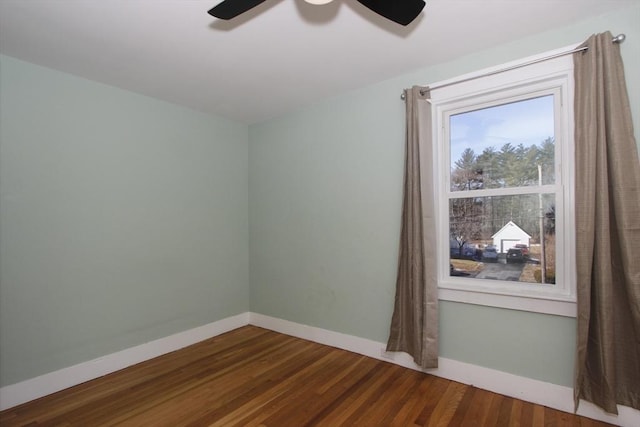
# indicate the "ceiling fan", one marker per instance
pixel 402 12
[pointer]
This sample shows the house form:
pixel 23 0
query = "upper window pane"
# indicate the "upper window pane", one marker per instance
pixel 503 145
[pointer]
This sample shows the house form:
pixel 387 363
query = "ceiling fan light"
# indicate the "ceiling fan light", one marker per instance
pixel 318 2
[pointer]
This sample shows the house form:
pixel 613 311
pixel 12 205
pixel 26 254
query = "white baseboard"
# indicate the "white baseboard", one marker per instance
pixel 530 390
pixel 34 388
pixel 539 392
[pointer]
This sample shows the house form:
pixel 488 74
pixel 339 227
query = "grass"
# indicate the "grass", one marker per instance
pixel 467 265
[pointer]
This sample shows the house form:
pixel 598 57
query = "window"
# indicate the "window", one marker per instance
pixel 503 156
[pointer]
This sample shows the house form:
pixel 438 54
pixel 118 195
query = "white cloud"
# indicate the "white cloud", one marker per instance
pixel 526 122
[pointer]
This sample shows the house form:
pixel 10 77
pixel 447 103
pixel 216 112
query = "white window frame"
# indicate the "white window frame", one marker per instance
pixel 524 79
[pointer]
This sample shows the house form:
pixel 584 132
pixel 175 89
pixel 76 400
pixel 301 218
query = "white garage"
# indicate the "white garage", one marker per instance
pixel 509 236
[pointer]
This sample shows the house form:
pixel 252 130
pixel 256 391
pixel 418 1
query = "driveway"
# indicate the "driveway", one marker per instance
pixel 500 271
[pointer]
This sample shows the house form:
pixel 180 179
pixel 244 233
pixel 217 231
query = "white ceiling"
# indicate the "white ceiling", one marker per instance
pixel 279 56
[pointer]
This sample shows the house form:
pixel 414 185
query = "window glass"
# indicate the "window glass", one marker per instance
pixel 505 146
pixel 502 145
pixel 498 237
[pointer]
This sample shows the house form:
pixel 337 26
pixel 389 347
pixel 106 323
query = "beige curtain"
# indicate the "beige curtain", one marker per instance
pixel 414 326
pixel 607 231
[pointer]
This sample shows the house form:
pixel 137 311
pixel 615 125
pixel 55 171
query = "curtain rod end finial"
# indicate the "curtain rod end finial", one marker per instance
pixel 619 38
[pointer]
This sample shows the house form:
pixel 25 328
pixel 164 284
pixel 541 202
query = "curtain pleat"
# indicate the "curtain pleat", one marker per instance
pixel 607 207
pixel 414 325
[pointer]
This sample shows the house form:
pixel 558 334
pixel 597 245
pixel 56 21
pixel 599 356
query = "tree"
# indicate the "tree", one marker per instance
pixel 512 166
pixel 466 175
pixel 488 165
pixel 465 214
pixel 465 221
pixel 546 158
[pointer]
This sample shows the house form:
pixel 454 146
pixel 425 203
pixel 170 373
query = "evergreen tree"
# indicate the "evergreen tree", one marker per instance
pixel 478 218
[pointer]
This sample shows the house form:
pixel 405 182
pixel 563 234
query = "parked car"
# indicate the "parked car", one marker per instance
pixel 490 254
pixel 515 255
pixel 524 248
pixel 468 250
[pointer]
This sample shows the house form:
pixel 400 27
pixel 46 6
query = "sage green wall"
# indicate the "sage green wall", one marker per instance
pixel 325 193
pixel 123 219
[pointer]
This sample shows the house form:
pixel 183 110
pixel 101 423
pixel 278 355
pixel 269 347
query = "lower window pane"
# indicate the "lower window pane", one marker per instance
pixel 498 238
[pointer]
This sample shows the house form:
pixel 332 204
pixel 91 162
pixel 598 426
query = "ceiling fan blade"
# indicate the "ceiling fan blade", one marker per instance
pixel 400 11
pixel 229 9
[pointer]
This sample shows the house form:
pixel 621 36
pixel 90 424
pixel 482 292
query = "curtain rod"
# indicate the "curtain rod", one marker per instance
pixel 617 39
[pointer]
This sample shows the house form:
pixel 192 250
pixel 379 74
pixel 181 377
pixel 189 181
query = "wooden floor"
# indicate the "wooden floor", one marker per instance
pixel 255 377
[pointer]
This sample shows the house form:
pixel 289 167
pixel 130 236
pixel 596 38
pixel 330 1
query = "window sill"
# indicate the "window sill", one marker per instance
pixel 556 307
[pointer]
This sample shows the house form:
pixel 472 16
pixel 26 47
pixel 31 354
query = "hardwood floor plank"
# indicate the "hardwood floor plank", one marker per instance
pixel 378 403
pixel 252 377
pixel 494 411
pixel 315 408
pixel 295 396
pixel 479 407
pixel 550 417
pixel 260 386
pixel 463 407
pixel 143 396
pixel 538 416
pixel 94 392
pixel 516 413
pixel 355 396
pixel 447 405
pixel 432 398
pixel 526 418
pixel 385 412
pixel 413 407
pixel 504 414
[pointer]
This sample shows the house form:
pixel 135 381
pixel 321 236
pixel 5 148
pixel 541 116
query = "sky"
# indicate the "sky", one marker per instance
pixel 528 122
